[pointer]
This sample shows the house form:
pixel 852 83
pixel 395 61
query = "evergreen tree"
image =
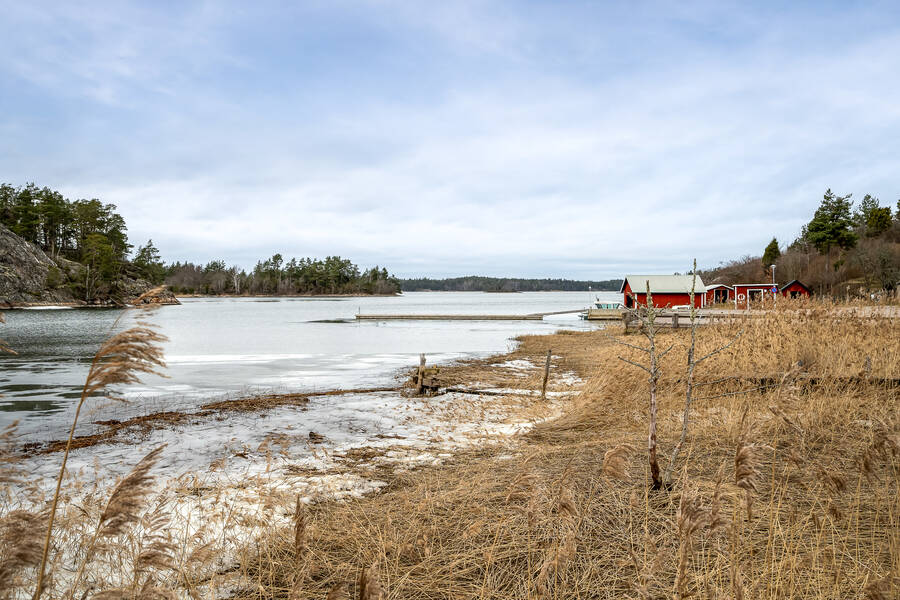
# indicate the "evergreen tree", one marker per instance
pixel 148 262
pixel 832 224
pixel 871 218
pixel 771 254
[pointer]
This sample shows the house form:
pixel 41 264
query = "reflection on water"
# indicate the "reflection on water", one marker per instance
pixel 246 345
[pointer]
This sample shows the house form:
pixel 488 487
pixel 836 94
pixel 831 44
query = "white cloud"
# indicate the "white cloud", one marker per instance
pixel 584 162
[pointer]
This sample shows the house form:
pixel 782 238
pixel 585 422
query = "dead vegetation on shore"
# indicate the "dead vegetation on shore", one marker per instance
pixel 781 491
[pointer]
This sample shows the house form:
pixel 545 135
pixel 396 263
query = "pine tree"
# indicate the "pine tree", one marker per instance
pixel 771 254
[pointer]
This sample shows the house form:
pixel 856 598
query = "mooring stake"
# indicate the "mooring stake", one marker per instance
pixel 546 376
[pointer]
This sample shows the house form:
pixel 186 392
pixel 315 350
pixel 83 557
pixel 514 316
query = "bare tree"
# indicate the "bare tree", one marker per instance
pixel 692 363
pixel 647 316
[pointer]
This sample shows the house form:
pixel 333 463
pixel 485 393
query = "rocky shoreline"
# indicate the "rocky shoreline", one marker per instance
pixel 32 278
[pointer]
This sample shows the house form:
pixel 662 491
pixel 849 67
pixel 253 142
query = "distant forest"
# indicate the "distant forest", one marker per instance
pixel 93 235
pixel 275 276
pixel 474 283
pixel 843 249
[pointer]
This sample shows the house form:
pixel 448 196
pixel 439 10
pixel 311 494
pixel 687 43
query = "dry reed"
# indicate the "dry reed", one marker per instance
pixel 815 449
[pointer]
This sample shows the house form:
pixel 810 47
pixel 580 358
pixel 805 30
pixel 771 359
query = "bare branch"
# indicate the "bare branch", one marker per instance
pixel 620 342
pixel 717 350
pixel 634 363
pixel 666 351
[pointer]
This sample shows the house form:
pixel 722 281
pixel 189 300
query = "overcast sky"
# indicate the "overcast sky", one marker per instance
pixel 574 139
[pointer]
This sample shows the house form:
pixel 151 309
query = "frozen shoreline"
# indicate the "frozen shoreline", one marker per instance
pixel 227 478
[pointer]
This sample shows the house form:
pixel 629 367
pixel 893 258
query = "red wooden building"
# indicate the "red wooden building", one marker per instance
pixel 795 289
pixel 748 295
pixel 719 293
pixel 667 290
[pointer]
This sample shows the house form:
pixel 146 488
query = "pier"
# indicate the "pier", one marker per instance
pixel 426 317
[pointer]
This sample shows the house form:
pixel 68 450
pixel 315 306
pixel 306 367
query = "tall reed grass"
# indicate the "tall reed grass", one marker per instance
pixel 787 488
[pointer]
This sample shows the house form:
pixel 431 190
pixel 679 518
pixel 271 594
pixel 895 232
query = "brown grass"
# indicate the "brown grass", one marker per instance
pixel 572 516
pixel 567 512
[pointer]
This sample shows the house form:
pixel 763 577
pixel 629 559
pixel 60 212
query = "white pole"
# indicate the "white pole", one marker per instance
pixel 774 290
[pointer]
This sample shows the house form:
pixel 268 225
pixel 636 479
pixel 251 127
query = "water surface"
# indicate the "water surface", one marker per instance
pixel 222 346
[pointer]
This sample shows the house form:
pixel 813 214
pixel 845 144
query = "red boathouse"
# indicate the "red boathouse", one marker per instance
pixel 667 290
pixel 747 295
pixel 795 289
pixel 719 294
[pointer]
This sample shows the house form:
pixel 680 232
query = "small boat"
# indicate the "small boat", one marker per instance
pixel 604 311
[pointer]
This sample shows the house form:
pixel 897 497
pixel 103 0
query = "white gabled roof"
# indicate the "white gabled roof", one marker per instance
pixel 663 284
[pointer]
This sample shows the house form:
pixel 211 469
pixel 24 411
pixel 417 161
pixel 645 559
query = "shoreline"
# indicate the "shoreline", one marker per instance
pixel 458 495
pixel 326 296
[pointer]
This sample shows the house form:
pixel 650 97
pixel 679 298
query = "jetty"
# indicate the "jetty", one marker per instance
pixel 463 317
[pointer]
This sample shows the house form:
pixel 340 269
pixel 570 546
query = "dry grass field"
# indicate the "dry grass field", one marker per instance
pixel 787 487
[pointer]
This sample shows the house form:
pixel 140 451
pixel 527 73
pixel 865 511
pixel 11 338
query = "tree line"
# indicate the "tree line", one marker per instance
pixel 88 240
pixel 842 248
pixel 87 232
pixel 275 276
pixel 475 283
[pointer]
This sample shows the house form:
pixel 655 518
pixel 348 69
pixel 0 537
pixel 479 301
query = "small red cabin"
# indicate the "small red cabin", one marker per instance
pixel 667 290
pixel 795 289
pixel 719 294
pixel 747 295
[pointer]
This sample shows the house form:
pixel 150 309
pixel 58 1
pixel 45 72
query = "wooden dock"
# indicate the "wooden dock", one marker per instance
pixel 604 314
pixel 534 317
pixel 408 317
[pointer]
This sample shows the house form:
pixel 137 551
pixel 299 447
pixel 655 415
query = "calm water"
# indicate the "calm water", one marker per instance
pixel 242 345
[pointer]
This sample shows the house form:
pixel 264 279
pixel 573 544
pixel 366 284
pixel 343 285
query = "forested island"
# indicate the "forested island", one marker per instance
pixel 475 283
pixel 275 276
pixel 57 250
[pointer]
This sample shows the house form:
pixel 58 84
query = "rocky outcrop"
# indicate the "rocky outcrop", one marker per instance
pixel 24 271
pixel 28 277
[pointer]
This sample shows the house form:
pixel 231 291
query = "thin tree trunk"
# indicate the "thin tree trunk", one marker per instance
pixel 654 378
pixel 689 384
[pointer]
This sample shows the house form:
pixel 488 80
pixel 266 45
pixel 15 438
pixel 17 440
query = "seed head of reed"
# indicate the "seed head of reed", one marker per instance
pixel 369 583
pixel 555 562
pixel 20 548
pixel 565 505
pixel 127 499
pixel 881 589
pixel 338 592
pixel 615 461
pixel 746 465
pixel 124 357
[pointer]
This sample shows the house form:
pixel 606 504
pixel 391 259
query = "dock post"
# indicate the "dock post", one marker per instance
pixel 546 376
pixel 420 377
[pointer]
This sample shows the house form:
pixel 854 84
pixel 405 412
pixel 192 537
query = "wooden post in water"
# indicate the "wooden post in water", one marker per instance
pixel 420 377
pixel 546 376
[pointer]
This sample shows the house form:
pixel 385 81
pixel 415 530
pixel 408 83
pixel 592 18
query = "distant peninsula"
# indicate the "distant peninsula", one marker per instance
pixel 476 283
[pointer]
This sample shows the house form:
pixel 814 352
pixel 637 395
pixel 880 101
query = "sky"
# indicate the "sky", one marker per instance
pixel 531 139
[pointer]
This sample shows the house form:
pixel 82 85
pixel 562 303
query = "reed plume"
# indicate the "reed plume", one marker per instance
pixel 127 499
pixel 338 592
pixel 882 589
pixel 556 562
pixel 369 584
pixel 20 549
pixel 615 461
pixel 120 360
pixel 746 465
